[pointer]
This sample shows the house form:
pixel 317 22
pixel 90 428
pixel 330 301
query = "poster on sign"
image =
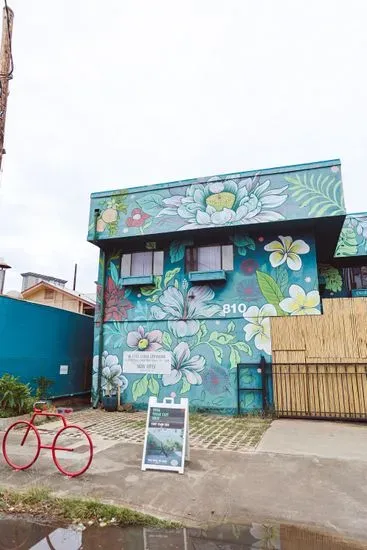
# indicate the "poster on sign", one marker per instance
pixel 166 444
pixel 147 362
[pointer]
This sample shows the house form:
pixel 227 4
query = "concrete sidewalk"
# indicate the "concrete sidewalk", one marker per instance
pixel 316 438
pixel 217 487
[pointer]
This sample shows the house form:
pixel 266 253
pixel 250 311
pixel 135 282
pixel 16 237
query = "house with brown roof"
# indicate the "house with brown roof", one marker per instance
pixel 49 294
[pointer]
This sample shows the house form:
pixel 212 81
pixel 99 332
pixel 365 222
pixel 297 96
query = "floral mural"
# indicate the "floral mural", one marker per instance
pixel 222 201
pixel 211 327
pixel 226 202
pixel 208 328
pixel 353 237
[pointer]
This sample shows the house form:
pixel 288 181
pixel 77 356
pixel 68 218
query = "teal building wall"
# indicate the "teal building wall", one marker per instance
pixel 36 339
pixel 275 220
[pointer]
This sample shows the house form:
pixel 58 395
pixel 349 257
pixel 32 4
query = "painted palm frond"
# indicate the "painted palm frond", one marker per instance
pixel 322 195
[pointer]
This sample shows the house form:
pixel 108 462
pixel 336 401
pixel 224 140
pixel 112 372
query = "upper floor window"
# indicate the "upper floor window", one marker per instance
pixel 49 294
pixel 209 258
pixel 139 264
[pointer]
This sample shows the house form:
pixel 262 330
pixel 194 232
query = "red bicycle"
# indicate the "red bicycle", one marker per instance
pixel 72 447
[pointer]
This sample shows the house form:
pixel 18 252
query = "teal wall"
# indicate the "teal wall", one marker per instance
pixel 246 198
pixel 209 328
pixel 35 340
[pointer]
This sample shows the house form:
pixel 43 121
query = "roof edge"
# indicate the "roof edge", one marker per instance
pixel 178 183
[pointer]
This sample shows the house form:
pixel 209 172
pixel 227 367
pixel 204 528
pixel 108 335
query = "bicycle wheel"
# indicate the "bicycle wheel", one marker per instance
pixel 21 445
pixel 72 451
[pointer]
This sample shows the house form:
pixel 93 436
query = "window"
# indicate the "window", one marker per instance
pixel 49 294
pixel 355 277
pixel 209 258
pixel 140 264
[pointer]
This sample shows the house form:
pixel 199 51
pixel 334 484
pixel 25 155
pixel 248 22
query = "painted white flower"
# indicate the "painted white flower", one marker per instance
pixel 287 250
pixel 259 326
pixel 301 303
pixel 268 536
pixel 144 341
pixel 111 376
pixel 184 365
pixel 184 308
pixel 228 201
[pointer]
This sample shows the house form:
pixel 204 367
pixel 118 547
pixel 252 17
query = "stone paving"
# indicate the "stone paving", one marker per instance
pixel 206 431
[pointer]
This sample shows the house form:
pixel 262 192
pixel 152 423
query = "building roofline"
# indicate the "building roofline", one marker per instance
pixel 59 289
pixel 263 172
pixel 45 277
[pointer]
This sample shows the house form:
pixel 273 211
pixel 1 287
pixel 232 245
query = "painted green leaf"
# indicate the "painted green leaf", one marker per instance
pixel 243 241
pixel 177 250
pixel 114 273
pixel 231 326
pixel 218 354
pixel 202 332
pixel 221 338
pixel 332 277
pixel 167 339
pixel 170 275
pixel 242 346
pixel 270 290
pixel 140 387
pixel 153 385
pixel 175 284
pixel 149 290
pixel 234 358
pixel 185 386
pixel 151 203
pixel 322 195
pixel 249 399
pixel 347 244
pixel 153 298
pixel 282 278
pixel 246 377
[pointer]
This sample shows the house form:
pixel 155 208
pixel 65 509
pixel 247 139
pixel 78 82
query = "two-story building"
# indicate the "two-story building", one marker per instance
pixel 192 272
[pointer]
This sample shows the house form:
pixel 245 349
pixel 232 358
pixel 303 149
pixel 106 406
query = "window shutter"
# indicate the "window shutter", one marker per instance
pixel 227 257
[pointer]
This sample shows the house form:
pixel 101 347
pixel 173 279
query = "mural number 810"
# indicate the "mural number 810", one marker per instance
pixel 234 308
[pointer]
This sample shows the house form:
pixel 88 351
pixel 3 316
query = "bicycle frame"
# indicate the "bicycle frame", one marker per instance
pixel 31 422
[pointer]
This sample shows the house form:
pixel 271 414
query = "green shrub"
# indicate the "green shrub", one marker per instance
pixel 43 385
pixel 15 397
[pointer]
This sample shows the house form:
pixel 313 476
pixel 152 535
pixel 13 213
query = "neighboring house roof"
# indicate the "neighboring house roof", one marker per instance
pixel 82 297
pixel 44 277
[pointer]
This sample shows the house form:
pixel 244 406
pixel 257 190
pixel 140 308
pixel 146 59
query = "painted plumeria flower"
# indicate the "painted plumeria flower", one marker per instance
pixel 268 536
pixel 259 326
pixel 228 201
pixel 287 250
pixel 144 341
pixel 137 218
pixel 112 376
pixel 184 365
pixel 301 303
pixel 184 308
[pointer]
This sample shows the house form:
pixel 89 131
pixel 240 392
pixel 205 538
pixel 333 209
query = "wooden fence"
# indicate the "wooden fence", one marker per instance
pixel 320 362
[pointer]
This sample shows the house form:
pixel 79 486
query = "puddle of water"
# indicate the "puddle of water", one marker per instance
pixel 18 534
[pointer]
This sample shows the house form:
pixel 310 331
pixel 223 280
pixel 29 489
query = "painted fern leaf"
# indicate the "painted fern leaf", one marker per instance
pixel 322 195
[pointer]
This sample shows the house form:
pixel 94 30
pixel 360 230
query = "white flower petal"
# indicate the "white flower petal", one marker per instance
pixel 277 258
pixel 294 262
pixel 172 378
pixel 202 218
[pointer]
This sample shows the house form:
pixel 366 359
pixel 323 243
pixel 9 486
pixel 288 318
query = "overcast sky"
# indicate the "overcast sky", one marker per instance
pixel 147 91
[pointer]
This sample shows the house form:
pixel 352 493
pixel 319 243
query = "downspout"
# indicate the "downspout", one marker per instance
pixel 102 282
pixel 100 332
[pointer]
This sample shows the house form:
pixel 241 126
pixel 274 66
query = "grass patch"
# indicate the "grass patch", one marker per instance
pixel 39 501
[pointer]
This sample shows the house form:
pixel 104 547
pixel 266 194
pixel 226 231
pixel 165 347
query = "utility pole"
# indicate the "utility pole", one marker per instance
pixel 6 71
